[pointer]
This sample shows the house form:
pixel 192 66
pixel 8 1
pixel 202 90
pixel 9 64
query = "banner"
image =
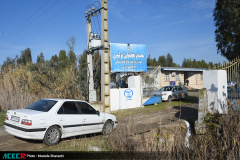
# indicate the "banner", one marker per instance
pixel 128 57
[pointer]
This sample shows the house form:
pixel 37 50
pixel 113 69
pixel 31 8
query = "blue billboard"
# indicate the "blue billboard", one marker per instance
pixel 128 57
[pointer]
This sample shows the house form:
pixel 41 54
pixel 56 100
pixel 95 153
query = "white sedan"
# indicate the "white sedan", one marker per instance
pixel 169 93
pixel 52 119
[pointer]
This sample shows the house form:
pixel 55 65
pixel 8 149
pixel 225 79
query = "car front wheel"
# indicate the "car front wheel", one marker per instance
pixel 107 128
pixel 169 98
pixel 52 136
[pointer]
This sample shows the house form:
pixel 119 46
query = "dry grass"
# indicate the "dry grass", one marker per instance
pixel 151 108
pixel 221 141
pixel 21 87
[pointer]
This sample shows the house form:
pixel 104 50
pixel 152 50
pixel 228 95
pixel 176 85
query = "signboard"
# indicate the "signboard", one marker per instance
pixel 172 83
pixel 128 57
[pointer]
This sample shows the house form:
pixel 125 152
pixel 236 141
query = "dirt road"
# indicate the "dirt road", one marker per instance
pixel 141 123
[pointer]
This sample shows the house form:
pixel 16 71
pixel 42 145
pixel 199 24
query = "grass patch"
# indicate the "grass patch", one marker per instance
pixel 80 143
pixel 2 118
pixel 151 108
pixel 84 143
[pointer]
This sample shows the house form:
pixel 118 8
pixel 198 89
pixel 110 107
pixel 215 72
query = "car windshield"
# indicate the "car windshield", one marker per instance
pixel 167 88
pixel 42 105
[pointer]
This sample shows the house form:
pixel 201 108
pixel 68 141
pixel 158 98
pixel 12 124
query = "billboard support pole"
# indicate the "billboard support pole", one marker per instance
pixel 105 79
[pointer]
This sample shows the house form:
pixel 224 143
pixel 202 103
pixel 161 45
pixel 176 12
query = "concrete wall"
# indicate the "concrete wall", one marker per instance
pixel 126 98
pixel 216 84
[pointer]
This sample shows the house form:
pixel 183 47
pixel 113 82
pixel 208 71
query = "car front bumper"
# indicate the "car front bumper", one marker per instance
pixel 27 133
pixel 164 97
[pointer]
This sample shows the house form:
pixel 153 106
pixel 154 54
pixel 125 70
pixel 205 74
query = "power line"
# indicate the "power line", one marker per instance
pixel 49 19
pixel 21 29
pixel 172 5
pixel 27 19
pixel 97 5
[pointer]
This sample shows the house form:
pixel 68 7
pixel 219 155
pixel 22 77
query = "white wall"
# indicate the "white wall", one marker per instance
pixel 114 99
pixel 125 98
pixel 215 81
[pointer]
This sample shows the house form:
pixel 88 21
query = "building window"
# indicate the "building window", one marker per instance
pixel 177 77
pixel 167 77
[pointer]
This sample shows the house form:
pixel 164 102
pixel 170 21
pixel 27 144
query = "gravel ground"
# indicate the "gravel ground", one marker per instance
pixel 141 123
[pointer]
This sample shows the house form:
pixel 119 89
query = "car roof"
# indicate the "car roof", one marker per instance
pixel 59 99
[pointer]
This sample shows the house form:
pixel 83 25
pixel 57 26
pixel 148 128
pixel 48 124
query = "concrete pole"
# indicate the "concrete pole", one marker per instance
pixel 105 79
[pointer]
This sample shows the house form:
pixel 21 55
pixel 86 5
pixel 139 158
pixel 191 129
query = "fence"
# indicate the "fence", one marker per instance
pixel 232 69
pixel 151 81
pixel 233 89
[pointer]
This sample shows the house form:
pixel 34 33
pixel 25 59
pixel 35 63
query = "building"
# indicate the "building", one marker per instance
pixel 162 76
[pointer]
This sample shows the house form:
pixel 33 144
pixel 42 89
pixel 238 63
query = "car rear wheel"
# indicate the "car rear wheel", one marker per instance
pixel 52 136
pixel 107 128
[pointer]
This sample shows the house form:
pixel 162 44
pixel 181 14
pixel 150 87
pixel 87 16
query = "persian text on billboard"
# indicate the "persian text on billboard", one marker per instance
pixel 128 57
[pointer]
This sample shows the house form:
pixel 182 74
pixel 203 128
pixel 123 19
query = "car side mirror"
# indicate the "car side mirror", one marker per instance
pixel 97 112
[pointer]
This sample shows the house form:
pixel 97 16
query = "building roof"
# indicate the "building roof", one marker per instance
pixel 177 68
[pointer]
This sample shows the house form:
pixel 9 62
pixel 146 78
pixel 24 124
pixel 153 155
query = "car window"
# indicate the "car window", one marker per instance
pixel 86 108
pixel 68 108
pixel 42 105
pixel 174 89
pixel 167 89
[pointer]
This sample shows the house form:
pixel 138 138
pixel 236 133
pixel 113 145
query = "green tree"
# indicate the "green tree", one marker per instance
pixel 25 58
pixel 83 74
pixel 54 58
pixel 227 34
pixel 162 61
pixel 40 59
pixel 71 55
pixel 195 64
pixel 9 64
pixel 63 59
pixel 184 63
pixel 154 62
pixel 169 60
pixel 149 61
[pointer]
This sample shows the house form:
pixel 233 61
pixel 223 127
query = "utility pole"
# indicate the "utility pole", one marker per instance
pixel 92 92
pixel 105 79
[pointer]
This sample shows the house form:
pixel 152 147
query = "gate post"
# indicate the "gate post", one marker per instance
pixel 202 111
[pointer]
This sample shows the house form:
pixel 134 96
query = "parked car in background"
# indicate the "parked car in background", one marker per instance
pixel 172 92
pixel 52 119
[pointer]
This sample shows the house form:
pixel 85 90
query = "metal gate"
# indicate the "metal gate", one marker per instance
pixel 233 78
pixel 232 69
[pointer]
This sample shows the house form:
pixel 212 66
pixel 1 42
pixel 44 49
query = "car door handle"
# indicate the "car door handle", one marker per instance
pixel 61 119
pixel 84 120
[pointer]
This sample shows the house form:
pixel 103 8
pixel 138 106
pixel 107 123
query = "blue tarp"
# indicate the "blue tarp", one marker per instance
pixel 153 100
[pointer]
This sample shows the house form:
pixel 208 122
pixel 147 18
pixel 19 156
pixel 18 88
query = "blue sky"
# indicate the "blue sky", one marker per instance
pixel 184 28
